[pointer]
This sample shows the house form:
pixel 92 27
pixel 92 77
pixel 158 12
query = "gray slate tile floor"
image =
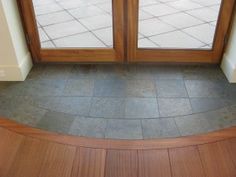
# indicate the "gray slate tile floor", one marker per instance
pixel 122 101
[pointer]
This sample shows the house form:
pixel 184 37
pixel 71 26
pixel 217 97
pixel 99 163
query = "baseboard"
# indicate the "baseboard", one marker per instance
pixel 16 72
pixel 229 69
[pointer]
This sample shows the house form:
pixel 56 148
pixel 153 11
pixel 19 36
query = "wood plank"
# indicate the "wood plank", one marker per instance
pixel 217 160
pixel 9 145
pixel 232 146
pixel 89 162
pixel 154 163
pixel 29 158
pixel 121 163
pixel 186 162
pixel 58 161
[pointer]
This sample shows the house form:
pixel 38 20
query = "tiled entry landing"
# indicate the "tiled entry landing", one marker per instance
pixel 123 102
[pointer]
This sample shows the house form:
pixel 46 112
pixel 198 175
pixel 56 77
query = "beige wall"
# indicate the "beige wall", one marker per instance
pixel 229 61
pixel 15 60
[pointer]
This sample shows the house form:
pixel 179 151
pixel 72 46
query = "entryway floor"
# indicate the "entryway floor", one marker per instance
pixel 122 101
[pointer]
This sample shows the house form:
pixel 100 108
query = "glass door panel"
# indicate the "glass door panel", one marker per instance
pixel 74 30
pixel 168 31
pixel 178 24
pixel 74 23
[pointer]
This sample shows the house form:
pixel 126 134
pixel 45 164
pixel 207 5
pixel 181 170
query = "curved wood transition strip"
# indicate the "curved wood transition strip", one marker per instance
pixel 29 152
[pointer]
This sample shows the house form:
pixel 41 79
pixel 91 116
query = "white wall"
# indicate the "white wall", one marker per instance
pixel 229 61
pixel 15 59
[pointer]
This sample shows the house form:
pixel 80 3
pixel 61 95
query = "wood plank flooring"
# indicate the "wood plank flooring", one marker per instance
pixel 29 152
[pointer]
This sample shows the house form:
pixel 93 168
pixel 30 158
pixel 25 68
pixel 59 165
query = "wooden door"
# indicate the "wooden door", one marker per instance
pixel 181 31
pixel 81 18
pixel 173 31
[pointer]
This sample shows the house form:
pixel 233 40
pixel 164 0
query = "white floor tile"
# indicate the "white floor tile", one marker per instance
pixel 54 18
pixel 181 20
pixel 143 15
pixel 47 8
pixel 184 5
pixel 47 44
pixel 42 35
pixel 204 33
pixel 84 40
pixel 176 39
pixel 154 26
pixel 64 29
pixel 97 22
pixel 87 11
pixel 146 43
pixel 106 35
pixel 207 2
pixel 205 14
pixel 159 10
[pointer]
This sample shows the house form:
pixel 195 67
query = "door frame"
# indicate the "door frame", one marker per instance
pixel 125 40
pixel 136 55
pixel 81 55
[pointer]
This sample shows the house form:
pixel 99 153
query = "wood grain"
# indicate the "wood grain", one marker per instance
pixel 29 158
pixel 186 162
pixel 217 160
pixel 58 161
pixel 121 163
pixel 91 162
pixel 232 149
pixel 154 163
pixel 9 145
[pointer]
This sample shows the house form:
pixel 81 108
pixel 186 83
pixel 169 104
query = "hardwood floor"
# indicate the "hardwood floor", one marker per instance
pixel 29 152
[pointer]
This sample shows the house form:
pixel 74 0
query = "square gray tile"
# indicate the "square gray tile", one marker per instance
pixel 171 88
pixel 36 72
pixel 82 87
pixel 170 107
pixel 159 128
pixel 140 88
pixel 141 108
pixel 46 102
pixel 56 121
pixel 201 88
pixel 56 72
pixel 107 107
pixel 205 122
pixel 142 72
pixel 167 72
pixel 83 72
pixel 109 88
pixel 74 105
pixel 207 104
pixel 12 88
pixel 123 129
pixel 89 127
pixel 111 72
pixel 44 87
pixel 203 73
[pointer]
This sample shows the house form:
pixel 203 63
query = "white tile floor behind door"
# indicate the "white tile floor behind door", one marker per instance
pixel 162 23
